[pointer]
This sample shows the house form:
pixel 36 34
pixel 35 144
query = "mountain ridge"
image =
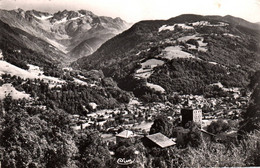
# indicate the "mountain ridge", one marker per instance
pixel 64 29
pixel 21 46
pixel 157 23
pixel 209 41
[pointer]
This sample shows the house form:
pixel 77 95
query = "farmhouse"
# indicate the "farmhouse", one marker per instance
pixel 124 136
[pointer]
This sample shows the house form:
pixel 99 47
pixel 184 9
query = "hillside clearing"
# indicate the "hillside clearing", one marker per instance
pixel 147 68
pixel 8 89
pixel 34 72
pixel 202 46
pixel 231 35
pixel 172 28
pixel 155 87
pixel 174 52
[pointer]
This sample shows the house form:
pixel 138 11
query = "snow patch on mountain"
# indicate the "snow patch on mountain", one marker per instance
pixel 75 18
pixel 57 45
pixel 63 20
pixel 80 16
pixel 43 17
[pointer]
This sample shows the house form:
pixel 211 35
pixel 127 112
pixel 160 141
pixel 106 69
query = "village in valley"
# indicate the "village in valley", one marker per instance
pixel 135 119
pixel 79 90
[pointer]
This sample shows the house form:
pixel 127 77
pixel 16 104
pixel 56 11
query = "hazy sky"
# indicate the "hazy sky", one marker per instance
pixel 136 10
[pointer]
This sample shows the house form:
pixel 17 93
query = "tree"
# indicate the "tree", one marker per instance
pixel 167 157
pixel 194 137
pixel 93 152
pixel 218 126
pixel 251 118
pixel 161 124
pixel 35 139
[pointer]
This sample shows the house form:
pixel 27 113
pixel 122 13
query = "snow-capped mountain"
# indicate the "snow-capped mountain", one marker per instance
pixel 66 30
pixel 21 47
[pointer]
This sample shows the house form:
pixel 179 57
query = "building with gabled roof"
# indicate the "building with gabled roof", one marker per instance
pixel 158 139
pixel 125 136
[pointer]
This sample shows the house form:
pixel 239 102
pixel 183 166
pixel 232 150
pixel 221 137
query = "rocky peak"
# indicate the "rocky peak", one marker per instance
pixel 19 10
pixel 86 12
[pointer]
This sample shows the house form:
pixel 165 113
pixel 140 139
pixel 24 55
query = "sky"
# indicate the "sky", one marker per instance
pixel 136 10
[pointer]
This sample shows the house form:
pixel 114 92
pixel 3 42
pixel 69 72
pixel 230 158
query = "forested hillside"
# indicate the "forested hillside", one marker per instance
pixel 57 116
pixel 184 54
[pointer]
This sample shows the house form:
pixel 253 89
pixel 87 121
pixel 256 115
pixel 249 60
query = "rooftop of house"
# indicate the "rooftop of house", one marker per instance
pixel 125 134
pixel 161 140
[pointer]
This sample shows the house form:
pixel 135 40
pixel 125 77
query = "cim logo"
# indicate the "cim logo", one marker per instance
pixel 124 161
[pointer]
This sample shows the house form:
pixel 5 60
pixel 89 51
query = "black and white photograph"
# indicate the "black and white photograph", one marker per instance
pixel 129 83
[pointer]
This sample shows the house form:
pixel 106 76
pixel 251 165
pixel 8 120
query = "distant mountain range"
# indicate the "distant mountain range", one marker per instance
pixel 35 49
pixel 20 48
pixel 73 33
pixel 185 54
